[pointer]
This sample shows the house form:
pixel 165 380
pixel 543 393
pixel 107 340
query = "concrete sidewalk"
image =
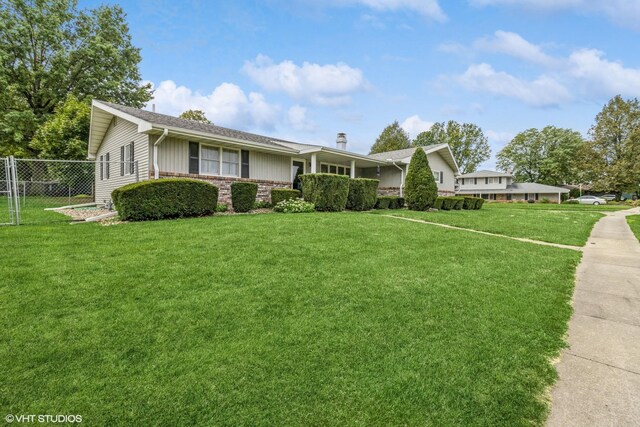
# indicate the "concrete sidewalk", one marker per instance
pixel 599 382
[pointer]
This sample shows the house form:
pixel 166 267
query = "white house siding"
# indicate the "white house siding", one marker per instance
pixel 120 132
pixel 437 163
pixel 173 154
pixel 269 167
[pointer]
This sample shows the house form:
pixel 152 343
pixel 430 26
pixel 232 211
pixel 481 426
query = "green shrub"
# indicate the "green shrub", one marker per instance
pixel 458 203
pixel 389 202
pixel 222 207
pixel 165 198
pixel 545 201
pixel 449 203
pixel 479 202
pixel 243 196
pixel 383 202
pixel 328 192
pixel 438 203
pixel 280 194
pixel 262 204
pixel 420 187
pixel 294 206
pixel 571 202
pixel 469 203
pixel 363 194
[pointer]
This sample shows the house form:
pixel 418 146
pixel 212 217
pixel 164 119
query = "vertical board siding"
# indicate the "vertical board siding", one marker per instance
pixel 121 133
pixel 269 167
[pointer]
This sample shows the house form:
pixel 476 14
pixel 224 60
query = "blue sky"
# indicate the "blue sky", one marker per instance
pixel 307 69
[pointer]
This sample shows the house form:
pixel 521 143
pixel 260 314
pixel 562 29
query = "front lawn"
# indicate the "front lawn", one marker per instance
pixel 256 320
pixel 547 225
pixel 556 207
pixel 634 223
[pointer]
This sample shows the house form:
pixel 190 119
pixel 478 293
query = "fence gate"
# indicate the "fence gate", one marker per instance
pixel 9 206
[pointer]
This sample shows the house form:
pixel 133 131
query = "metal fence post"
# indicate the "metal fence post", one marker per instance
pixel 14 185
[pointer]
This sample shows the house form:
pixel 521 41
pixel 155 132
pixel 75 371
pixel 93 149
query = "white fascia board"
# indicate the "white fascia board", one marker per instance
pixel 343 153
pixel 118 113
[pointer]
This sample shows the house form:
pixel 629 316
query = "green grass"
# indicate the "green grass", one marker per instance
pixel 634 223
pixel 259 320
pixel 555 207
pixel 33 209
pixel 554 226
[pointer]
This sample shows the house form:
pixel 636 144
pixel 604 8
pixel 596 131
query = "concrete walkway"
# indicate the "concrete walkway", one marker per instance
pixel 599 382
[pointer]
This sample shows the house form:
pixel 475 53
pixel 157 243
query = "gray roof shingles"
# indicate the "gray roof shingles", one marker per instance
pixel 163 119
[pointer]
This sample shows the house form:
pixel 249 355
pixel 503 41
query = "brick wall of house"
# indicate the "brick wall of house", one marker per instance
pixel 224 184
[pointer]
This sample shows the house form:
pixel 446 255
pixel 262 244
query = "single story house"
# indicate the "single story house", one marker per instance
pixel 132 145
pixel 500 186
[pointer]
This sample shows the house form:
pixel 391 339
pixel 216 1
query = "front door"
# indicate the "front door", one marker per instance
pixel 297 169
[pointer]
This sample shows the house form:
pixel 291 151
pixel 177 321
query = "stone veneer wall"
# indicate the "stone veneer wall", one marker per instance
pixel 395 191
pixel 224 184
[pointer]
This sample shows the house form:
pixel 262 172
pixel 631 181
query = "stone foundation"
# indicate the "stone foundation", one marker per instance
pixel 224 184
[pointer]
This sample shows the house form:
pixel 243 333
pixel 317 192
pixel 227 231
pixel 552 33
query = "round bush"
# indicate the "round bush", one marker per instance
pixel 363 194
pixel 165 198
pixel 243 196
pixel 328 192
pixel 280 194
pixel 420 188
pixel 438 203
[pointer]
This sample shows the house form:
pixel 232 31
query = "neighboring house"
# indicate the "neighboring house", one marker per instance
pixel 130 144
pixel 500 186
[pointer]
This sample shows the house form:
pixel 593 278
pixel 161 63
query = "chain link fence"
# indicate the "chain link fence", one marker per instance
pixel 31 188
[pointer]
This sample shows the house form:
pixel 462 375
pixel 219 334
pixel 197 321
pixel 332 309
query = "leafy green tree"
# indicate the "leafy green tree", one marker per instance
pixel 613 153
pixel 468 143
pixel 65 134
pixel 196 116
pixel 49 50
pixel 420 188
pixel 548 156
pixel 393 137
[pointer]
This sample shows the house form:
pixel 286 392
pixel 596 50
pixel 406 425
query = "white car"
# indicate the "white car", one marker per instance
pixel 590 200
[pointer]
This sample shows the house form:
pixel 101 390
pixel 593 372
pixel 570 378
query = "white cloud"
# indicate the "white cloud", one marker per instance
pixel 226 105
pixel 623 12
pixel 297 118
pixel 606 77
pixel 330 84
pixel 415 125
pixel 497 137
pixel 514 45
pixel 427 8
pixel 541 92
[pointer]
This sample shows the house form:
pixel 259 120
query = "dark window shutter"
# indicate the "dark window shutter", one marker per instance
pixel 194 157
pixel 107 157
pixel 244 173
pixel 441 177
pixel 486 180
pixel 131 158
pixel 500 180
pixel 122 160
pixel 101 168
pixel 536 196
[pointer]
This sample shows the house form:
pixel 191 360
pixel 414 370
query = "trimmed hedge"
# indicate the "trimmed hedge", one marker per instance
pixel 459 203
pixel 469 203
pixel 479 202
pixel 165 198
pixel 448 203
pixel 280 194
pixel 243 196
pixel 327 191
pixel 389 202
pixel 438 203
pixel 363 194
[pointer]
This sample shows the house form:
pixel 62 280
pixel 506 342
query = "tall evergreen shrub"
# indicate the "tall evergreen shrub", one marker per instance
pixel 420 189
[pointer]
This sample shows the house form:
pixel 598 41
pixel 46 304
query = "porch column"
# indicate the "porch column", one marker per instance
pixel 353 168
pixel 313 163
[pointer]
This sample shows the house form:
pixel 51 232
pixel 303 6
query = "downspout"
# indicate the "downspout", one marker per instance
pixel 401 174
pixel 156 168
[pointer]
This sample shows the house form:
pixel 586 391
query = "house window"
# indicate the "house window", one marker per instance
pixel 475 181
pixel 210 160
pixel 127 164
pixel 230 162
pixel 490 181
pixel 509 197
pixel 439 176
pixel 332 168
pixel 499 180
pixel 486 180
pixel 244 172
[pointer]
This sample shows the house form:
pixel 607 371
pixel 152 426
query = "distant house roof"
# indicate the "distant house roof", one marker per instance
pixel 519 188
pixel 484 174
pixel 404 156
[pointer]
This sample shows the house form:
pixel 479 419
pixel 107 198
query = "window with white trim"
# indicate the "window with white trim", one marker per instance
pixel 126 159
pixel 438 176
pixel 333 168
pixel 209 160
pixel 230 162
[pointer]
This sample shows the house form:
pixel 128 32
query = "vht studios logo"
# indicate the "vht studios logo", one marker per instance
pixel 43 418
